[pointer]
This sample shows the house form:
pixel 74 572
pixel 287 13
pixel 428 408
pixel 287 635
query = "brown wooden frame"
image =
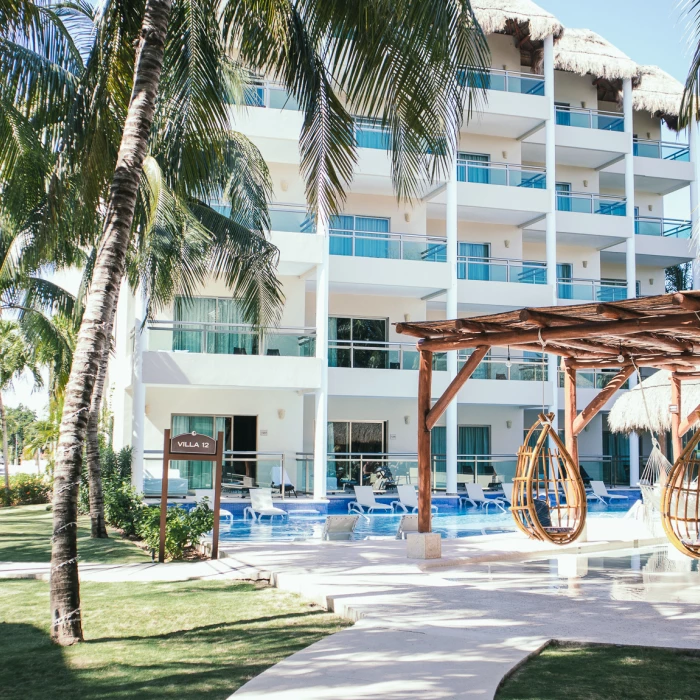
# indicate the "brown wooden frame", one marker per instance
pixel 168 456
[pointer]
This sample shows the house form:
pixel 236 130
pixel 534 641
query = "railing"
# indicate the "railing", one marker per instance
pixel 504 368
pixel 669 228
pixel 589 118
pixel 663 150
pixel 291 219
pixel 369 133
pixel 585 203
pixel 502 80
pixel 507 174
pixel 264 94
pixel 359 354
pixel 501 270
pixel 392 246
pixel 591 290
pixel 230 339
pixel 612 470
pixel 592 379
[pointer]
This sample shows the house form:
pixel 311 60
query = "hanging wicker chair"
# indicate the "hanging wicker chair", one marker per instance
pixel 680 501
pixel 549 498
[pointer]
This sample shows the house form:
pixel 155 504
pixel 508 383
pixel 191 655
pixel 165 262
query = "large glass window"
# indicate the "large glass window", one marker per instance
pixel 474 261
pixel 351 342
pixel 563 198
pixel 364 236
pixel 477 167
pixel 351 445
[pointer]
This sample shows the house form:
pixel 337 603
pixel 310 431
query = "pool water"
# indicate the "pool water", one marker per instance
pixel 451 525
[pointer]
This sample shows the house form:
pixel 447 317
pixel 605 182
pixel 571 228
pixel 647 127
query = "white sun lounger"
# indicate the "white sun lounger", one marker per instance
pixel 408 499
pixel 475 496
pixel 261 504
pixel 408 524
pixel 600 493
pixel 508 493
pixel 365 499
pixel 339 527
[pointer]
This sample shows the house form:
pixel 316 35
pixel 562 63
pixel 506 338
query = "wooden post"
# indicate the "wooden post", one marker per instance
pixel 570 439
pixel 164 494
pixel 603 396
pixel 425 375
pixel 676 417
pixel 218 475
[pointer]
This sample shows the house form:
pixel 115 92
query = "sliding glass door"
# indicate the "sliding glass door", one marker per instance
pixel 351 342
pixel 351 445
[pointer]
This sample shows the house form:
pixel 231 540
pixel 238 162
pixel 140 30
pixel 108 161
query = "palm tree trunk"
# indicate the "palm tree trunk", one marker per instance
pixel 98 528
pixel 5 450
pixel 66 623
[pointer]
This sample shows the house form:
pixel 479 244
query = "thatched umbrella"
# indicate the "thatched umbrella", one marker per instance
pixel 659 93
pixel 497 16
pixel 629 413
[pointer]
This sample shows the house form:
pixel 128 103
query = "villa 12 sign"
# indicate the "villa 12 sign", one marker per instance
pixel 193 444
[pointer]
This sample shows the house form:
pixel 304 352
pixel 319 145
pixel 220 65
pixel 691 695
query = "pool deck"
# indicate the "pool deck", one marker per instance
pixel 448 628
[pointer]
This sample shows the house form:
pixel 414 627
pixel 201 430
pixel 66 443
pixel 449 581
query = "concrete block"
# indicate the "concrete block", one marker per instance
pixel 424 545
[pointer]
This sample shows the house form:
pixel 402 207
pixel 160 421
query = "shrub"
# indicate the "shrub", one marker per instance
pixel 26 489
pixel 181 528
pixel 123 507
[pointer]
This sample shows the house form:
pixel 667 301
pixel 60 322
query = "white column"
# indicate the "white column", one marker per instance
pixel 694 214
pixel 451 312
pixel 321 413
pixel 550 162
pixel 631 247
pixel 138 413
pixel 634 445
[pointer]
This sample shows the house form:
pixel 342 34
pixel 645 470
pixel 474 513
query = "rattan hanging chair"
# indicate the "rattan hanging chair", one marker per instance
pixel 549 498
pixel 680 501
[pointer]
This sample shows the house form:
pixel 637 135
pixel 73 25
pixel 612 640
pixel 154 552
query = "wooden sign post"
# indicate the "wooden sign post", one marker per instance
pixel 192 447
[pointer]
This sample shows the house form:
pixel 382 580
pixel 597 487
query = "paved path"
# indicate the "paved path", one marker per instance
pixel 435 630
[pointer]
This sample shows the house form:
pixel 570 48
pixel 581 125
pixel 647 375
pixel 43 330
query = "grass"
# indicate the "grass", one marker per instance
pixel 598 672
pixel 25 536
pixel 195 639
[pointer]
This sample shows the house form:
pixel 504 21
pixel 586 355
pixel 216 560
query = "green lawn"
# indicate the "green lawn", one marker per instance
pixel 589 672
pixel 196 639
pixel 25 536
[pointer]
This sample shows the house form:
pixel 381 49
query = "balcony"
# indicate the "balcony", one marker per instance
pixel 667 228
pixel 592 379
pixel 229 355
pixel 589 119
pixel 573 289
pixel 503 81
pixel 664 150
pixel 585 203
pixel 271 96
pixel 506 174
pixel 388 246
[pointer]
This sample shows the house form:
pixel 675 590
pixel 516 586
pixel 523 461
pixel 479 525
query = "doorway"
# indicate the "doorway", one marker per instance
pixel 245 439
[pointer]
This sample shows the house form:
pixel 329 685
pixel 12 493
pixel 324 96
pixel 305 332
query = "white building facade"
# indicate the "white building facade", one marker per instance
pixel 556 197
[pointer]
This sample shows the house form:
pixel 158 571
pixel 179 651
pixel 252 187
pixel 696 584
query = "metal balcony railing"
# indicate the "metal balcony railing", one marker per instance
pixel 390 246
pixel 669 228
pixel 501 270
pixel 266 94
pixel 592 379
pixel 591 290
pixel 508 174
pixel 664 150
pixel 586 203
pixel 589 118
pixel 502 81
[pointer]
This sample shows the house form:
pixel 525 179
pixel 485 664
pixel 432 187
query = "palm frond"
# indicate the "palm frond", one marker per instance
pixel 690 104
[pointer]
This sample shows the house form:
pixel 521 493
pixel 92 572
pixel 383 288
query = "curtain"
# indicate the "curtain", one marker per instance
pixel 475 172
pixel 474 441
pixel 197 310
pixel 563 112
pixel 340 229
pixel 370 134
pixel 373 238
pixel 199 475
pixel 565 290
pixel 438 448
pixel 563 201
pixel 233 342
pixel 474 268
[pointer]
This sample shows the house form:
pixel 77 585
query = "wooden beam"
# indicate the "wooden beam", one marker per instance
pixel 604 395
pixel 164 495
pixel 218 477
pixel 425 377
pixel 616 313
pixel 667 323
pixel 688 422
pixel 570 438
pixel 676 417
pixel 661 342
pixel 686 302
pixel 455 385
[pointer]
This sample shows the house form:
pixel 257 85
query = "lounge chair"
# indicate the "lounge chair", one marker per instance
pixel 507 493
pixel 408 499
pixel 600 493
pixel 277 481
pixel 408 524
pixel 475 496
pixel 177 487
pixel 365 499
pixel 339 527
pixel 261 504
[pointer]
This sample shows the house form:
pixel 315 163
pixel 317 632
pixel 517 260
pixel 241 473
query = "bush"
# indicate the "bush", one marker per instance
pixel 123 507
pixel 26 489
pixel 181 528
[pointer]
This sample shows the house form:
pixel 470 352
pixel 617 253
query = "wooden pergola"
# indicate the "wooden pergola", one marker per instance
pixel 661 332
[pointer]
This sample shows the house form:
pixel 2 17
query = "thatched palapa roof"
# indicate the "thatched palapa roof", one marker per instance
pixel 630 415
pixel 583 51
pixel 498 16
pixel 659 93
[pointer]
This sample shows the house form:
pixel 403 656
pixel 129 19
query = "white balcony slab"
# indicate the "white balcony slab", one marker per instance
pixel 653 175
pixel 508 114
pixel 275 132
pixel 299 252
pixel 596 230
pixel 653 251
pixel 500 296
pixel 180 369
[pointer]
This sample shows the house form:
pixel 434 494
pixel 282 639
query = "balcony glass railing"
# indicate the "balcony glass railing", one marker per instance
pixel 507 174
pixel 664 150
pixel 592 379
pixel 230 339
pixel 369 133
pixel 264 94
pixel 503 81
pixel 501 270
pixel 585 203
pixel 591 290
pixel 590 118
pixel 392 246
pixel 503 368
pixel 670 228
pixel 292 220
pixel 361 354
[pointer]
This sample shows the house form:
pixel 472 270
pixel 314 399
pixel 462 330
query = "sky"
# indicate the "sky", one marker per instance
pixel 648 31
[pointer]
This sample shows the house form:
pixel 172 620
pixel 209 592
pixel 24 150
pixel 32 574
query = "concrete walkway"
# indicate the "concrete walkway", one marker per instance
pixel 450 629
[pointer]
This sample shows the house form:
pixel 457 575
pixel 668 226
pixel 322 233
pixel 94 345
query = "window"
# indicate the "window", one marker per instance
pixel 475 169
pixel 349 444
pixel 351 343
pixel 371 134
pixel 563 196
pixel 364 236
pixel 476 266
pixel 565 288
pixel 563 113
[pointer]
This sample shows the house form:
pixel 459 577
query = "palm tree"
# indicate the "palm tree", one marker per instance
pixel 16 357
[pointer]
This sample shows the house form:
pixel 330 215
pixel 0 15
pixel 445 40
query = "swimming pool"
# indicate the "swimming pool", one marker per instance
pixel 467 523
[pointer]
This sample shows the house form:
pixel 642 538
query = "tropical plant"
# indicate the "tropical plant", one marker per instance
pixel 25 490
pixel 679 277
